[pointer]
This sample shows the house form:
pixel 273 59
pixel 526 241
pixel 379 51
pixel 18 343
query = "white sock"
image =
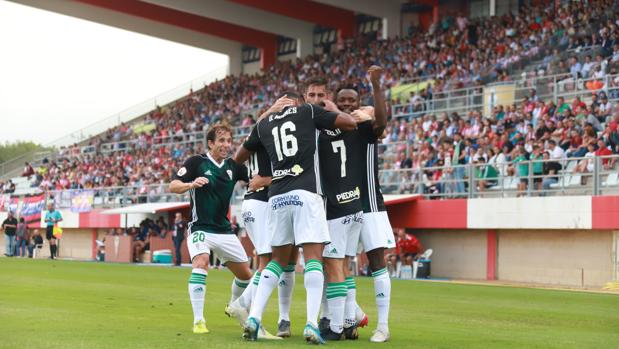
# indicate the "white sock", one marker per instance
pixel 359 313
pixel 351 302
pixel 382 291
pixel 238 287
pixel 284 291
pixel 268 281
pixel 336 298
pixel 197 290
pixel 314 279
pixel 248 295
pixel 324 305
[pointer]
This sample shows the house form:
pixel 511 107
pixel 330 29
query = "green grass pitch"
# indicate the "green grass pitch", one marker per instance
pixel 64 304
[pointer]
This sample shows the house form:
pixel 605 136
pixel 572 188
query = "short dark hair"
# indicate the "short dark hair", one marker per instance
pixel 211 135
pixel 316 82
pixel 347 87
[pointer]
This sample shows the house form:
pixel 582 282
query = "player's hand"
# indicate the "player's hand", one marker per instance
pixel 361 116
pixel 330 106
pixel 199 182
pixel 375 73
pixel 258 182
pixel 280 104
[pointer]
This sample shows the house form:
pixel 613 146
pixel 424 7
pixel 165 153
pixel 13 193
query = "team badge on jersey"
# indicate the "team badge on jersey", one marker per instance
pixel 297 170
pixel 181 172
pixel 229 172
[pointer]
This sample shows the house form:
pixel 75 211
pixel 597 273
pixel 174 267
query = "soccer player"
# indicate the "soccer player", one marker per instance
pixel 210 180
pixel 296 209
pixel 344 209
pixel 255 211
pixel 376 233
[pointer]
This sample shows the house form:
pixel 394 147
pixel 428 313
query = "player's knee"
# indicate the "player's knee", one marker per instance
pixel 333 269
pixel 200 261
pixel 376 258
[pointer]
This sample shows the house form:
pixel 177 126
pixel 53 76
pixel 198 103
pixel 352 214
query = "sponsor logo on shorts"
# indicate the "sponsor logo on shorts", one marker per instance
pixel 380 295
pixel 348 196
pixel 333 251
pixel 357 217
pixel 247 218
pixel 288 111
pixel 293 171
pixel 286 200
pixel 198 289
pixel 282 283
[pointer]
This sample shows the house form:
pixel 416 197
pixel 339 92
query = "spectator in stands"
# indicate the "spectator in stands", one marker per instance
pixel 586 165
pixel 603 151
pixel 21 238
pixel 9 226
pixel 487 175
pixel 28 170
pixel 550 171
pixel 9 187
pixel 521 163
pixel 178 234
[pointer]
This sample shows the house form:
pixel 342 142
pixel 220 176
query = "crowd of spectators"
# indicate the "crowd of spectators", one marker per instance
pixel 455 52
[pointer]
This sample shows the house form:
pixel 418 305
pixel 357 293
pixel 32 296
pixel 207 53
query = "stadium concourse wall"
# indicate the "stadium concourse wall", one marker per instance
pixel 81 230
pixel 565 241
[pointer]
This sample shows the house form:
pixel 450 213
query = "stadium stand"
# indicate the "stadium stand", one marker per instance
pixel 440 141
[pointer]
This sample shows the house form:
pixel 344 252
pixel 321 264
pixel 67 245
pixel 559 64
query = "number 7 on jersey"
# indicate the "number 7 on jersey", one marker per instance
pixel 341 147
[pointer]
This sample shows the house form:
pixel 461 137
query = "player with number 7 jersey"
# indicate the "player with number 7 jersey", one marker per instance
pixel 296 209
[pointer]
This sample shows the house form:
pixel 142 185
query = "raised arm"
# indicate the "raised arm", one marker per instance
pixel 380 108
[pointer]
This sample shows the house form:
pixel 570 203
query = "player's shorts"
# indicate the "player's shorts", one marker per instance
pixel 227 246
pixel 298 217
pixel 49 233
pixel 376 231
pixel 344 232
pixel 255 216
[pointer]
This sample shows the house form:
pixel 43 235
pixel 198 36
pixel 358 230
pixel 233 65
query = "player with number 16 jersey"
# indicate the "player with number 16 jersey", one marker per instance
pixel 296 209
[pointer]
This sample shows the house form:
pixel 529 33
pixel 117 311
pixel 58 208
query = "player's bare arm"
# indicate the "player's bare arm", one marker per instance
pixel 380 108
pixel 242 155
pixel 178 187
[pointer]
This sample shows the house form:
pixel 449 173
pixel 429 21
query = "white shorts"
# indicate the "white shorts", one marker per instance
pixel 255 215
pixel 227 246
pixel 297 217
pixel 344 233
pixel 376 231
